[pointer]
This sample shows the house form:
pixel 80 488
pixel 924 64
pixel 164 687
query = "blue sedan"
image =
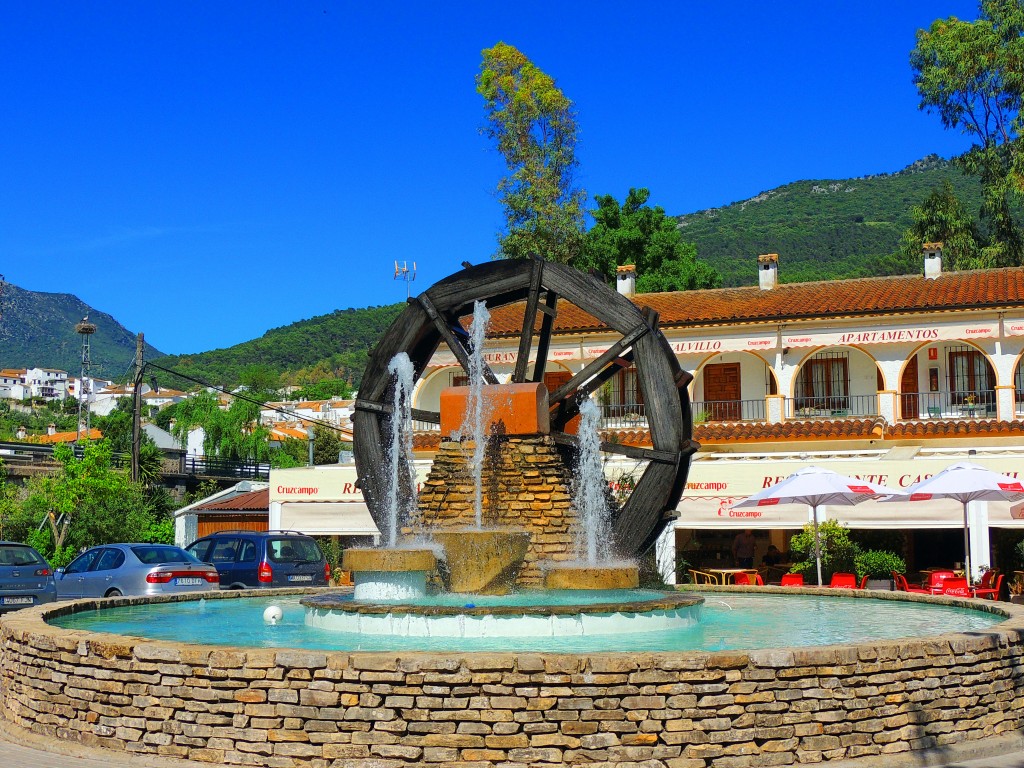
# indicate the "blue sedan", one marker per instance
pixel 134 569
pixel 25 577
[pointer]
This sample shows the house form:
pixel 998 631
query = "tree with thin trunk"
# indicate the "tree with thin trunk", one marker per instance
pixel 534 126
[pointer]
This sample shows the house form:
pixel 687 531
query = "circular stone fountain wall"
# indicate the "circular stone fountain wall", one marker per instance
pixel 253 706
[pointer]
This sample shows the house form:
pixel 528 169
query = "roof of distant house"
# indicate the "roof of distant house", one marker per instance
pixel 65 437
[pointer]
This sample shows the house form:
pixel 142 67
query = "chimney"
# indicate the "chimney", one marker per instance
pixel 51 429
pixel 22 432
pixel 625 279
pixel 768 271
pixel 932 260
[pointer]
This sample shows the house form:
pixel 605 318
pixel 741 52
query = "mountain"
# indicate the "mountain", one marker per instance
pixel 38 329
pixel 821 229
pixel 334 345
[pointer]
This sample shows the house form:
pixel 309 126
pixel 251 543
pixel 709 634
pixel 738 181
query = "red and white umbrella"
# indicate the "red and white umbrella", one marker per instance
pixel 818 487
pixel 966 482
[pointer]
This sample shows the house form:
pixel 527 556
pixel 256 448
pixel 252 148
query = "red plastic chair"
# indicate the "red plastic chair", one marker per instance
pixel 792 580
pixel 903 586
pixel 992 592
pixel 864 582
pixel 956 586
pixel 747 579
pixel 843 581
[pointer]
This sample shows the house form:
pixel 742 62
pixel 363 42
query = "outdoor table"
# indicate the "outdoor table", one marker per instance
pixel 725 575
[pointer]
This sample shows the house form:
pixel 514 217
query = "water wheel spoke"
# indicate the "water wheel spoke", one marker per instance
pixel 529 317
pixel 544 339
pixel 619 449
pixel 614 352
pixel 565 409
pixel 459 348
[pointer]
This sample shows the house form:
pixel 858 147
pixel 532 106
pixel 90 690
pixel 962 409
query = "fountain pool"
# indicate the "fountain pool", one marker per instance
pixel 724 621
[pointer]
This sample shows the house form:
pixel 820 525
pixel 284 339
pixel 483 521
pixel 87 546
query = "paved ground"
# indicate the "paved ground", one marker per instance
pixel 19 749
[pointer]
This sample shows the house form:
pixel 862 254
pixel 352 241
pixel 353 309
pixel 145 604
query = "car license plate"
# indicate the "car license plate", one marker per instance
pixel 187 581
pixel 17 601
pixel 300 577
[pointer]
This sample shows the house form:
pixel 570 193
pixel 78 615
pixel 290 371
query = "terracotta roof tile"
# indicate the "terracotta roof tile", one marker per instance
pixel 977 289
pixel 65 437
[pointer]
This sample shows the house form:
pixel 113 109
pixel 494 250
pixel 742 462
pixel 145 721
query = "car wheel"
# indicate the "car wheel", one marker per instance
pixel 113 593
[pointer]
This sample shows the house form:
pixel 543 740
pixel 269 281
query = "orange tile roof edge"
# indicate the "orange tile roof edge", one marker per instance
pixel 993 289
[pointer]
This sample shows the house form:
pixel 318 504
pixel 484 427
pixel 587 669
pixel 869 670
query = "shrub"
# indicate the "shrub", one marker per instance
pixel 837 551
pixel 878 564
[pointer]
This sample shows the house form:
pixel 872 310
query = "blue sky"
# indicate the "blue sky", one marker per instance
pixel 207 171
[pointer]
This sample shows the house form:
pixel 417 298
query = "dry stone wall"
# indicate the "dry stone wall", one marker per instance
pixel 525 487
pixel 288 708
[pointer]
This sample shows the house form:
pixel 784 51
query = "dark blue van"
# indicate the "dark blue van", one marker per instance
pixel 259 559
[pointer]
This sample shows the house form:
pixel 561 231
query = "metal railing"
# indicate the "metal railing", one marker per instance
pixel 211 466
pixel 832 407
pixel 979 404
pixel 728 410
pixel 623 416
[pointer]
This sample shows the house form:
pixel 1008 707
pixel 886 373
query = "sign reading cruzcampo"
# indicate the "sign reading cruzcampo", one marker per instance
pixel 324 483
pixel 330 483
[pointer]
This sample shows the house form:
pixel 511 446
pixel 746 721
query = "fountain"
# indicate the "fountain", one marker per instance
pixel 463 686
pixel 393 572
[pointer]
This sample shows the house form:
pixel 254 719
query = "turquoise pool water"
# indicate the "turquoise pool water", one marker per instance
pixel 728 622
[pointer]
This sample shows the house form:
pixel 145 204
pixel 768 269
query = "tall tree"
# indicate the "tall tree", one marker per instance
pixel 942 218
pixel 635 233
pixel 972 74
pixel 534 126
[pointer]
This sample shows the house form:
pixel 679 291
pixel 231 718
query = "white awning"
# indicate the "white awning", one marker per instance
pixel 325 518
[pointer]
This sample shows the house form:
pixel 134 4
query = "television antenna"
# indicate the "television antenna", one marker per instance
pixel 404 273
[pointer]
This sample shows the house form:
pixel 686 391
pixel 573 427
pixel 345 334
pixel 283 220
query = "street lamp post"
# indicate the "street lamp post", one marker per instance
pixel 311 435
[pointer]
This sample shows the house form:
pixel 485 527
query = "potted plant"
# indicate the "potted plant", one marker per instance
pixel 878 565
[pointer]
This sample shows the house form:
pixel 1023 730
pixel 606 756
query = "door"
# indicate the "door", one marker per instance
pixel 722 392
pixel 97 580
pixel 71 582
pixel 910 408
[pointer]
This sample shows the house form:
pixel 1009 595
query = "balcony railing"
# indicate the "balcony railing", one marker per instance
pixel 623 416
pixel 980 404
pixel 728 410
pixel 832 407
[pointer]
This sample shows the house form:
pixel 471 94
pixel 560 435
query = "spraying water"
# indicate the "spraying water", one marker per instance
pixel 476 408
pixel 399 452
pixel 591 499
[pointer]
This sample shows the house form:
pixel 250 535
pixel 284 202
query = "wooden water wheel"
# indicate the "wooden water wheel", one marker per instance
pixel 433 318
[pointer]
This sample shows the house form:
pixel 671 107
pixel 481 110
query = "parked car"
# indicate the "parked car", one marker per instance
pixel 134 569
pixel 25 577
pixel 254 559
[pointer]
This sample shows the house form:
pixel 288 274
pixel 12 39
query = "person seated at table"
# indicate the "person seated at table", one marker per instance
pixel 772 556
pixel 743 547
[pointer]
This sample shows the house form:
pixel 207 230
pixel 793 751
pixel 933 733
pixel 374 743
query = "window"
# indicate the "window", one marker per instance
pixel 247 554
pixel 824 382
pixel 81 563
pixel 970 377
pixel 109 560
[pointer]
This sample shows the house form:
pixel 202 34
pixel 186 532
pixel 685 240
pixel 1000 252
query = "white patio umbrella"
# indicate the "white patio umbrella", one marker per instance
pixel 966 482
pixel 817 487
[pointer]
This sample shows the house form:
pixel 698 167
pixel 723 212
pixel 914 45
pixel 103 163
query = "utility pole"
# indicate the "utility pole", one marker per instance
pixel 137 408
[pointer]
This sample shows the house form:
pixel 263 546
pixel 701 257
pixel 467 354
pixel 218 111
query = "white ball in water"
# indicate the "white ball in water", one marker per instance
pixel 273 614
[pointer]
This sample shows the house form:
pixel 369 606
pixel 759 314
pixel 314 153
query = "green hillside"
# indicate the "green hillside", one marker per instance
pixel 334 345
pixel 38 329
pixel 823 229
